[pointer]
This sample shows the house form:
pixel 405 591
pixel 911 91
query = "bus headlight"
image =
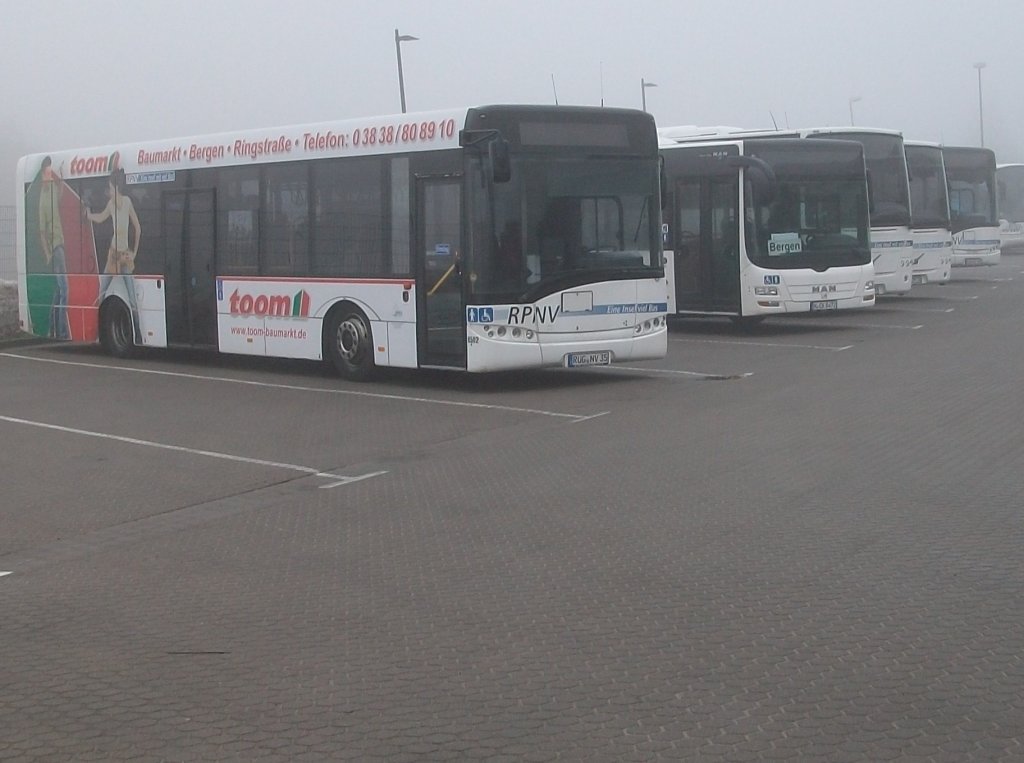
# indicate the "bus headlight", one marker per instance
pixel 869 286
pixel 766 291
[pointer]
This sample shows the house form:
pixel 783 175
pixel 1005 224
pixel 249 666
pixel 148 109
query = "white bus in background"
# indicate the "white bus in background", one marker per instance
pixel 1010 185
pixel 929 213
pixel 481 239
pixel 892 246
pixel 971 175
pixel 759 226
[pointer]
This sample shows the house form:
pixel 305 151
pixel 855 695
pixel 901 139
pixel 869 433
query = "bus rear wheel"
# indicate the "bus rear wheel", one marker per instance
pixel 117 335
pixel 348 343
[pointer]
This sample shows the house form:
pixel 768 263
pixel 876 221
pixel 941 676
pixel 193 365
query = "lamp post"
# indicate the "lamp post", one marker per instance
pixel 981 114
pixel 399 39
pixel 853 100
pixel 643 91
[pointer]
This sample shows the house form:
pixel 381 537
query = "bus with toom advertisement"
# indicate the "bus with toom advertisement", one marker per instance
pixel 482 239
pixel 929 213
pixel 971 176
pixel 758 226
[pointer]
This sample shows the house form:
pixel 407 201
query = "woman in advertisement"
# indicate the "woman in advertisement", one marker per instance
pixel 122 251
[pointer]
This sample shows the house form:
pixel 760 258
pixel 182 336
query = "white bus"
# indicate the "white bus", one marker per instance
pixel 765 226
pixel 498 237
pixel 971 175
pixel 892 247
pixel 929 213
pixel 1010 184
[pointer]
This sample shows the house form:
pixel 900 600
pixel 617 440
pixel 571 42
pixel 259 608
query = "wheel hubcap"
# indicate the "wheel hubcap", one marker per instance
pixel 349 337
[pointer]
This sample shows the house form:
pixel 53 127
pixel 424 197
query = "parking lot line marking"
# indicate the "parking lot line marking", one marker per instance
pixel 591 416
pixel 888 326
pixel 901 309
pixel 300 388
pixel 767 344
pixel 960 299
pixel 350 480
pixel 701 374
pixel 341 479
pixel 5 573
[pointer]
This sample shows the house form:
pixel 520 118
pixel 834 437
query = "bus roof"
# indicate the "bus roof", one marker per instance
pixel 688 133
pixel 364 136
pixel 966 150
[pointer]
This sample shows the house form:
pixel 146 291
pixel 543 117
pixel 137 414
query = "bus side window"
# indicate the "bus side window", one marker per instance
pixel 238 220
pixel 348 222
pixel 285 234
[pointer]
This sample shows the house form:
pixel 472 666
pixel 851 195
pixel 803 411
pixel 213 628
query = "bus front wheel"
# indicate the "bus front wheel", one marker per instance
pixel 117 335
pixel 348 343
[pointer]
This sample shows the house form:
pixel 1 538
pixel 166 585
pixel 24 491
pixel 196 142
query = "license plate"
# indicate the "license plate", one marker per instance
pixel 825 304
pixel 918 279
pixel 972 261
pixel 578 359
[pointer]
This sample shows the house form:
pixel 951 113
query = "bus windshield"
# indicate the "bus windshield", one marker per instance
pixel 562 222
pixel 1011 193
pixel 818 217
pixel 887 174
pixel 970 173
pixel 929 201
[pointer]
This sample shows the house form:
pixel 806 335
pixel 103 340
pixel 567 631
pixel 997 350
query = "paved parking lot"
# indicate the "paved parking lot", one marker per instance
pixel 803 542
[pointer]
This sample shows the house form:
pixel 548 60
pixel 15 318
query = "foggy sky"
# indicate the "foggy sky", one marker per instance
pixel 78 74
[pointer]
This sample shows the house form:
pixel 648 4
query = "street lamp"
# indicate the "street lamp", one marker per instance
pixel 853 100
pixel 399 39
pixel 981 114
pixel 643 91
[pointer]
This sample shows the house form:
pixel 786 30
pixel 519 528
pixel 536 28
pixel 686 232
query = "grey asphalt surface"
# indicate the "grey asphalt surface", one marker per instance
pixel 805 542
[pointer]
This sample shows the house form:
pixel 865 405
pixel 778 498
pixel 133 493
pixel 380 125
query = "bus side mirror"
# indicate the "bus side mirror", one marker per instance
pixel 501 164
pixel 761 177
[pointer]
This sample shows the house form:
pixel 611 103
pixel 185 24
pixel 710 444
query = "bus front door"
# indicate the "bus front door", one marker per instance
pixel 706 247
pixel 191 298
pixel 688 263
pixel 441 301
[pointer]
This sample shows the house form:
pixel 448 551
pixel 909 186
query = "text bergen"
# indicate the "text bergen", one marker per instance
pixel 520 314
